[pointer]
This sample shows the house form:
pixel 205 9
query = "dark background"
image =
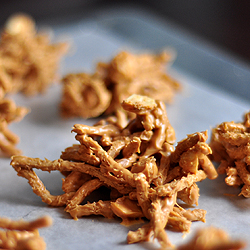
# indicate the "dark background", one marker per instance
pixel 223 22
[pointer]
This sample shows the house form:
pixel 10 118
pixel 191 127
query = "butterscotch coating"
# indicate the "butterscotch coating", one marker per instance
pixel 84 95
pixel 10 112
pixel 190 195
pixel 23 235
pixel 212 238
pixel 20 24
pixel 139 104
pixel 230 143
pixel 127 66
pixel 91 95
pixel 143 74
pixel 23 225
pixel 29 62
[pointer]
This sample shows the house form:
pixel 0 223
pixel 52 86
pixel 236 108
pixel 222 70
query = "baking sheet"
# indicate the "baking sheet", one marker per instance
pixel 200 106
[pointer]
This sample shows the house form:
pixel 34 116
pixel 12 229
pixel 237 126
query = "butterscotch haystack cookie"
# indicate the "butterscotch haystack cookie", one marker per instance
pixel 212 238
pixel 9 113
pixel 230 143
pixel 28 61
pixel 143 74
pixel 138 164
pixel 23 235
pixel 84 95
pixel 102 92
